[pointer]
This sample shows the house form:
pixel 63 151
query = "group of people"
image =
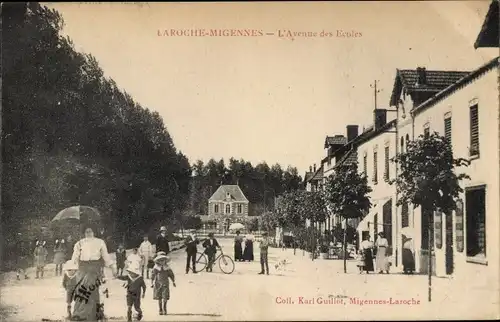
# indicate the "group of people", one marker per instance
pixel 211 246
pixel 84 275
pixel 382 255
pixel 243 254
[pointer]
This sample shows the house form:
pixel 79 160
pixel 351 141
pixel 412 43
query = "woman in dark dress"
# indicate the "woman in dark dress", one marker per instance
pixel 408 258
pixel 366 248
pixel 238 251
pixel 248 252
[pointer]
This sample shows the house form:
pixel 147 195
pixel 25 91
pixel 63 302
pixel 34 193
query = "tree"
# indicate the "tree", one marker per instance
pixel 427 178
pixel 347 195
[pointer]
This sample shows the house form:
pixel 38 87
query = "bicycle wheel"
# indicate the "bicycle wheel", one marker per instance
pixel 201 261
pixel 226 264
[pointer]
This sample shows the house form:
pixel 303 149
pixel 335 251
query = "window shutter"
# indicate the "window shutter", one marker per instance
pixel 447 129
pixel 474 130
pixel 365 164
pixel 386 172
pixel 426 132
pixel 375 174
pixel 405 215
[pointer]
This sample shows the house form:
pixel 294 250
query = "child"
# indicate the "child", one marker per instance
pixel 360 261
pixel 120 259
pixel 40 255
pixel 134 259
pixel 160 281
pixel 135 283
pixel 69 283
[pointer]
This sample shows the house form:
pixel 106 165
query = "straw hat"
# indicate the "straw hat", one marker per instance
pixel 163 228
pixel 160 256
pixel 70 265
pixel 134 269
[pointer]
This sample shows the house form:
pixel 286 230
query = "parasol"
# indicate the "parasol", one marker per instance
pixel 78 213
pixel 236 226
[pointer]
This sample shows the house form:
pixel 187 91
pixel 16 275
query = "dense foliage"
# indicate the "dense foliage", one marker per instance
pixel 426 176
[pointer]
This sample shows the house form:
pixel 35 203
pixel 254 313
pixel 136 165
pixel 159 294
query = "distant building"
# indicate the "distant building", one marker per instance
pixel 226 206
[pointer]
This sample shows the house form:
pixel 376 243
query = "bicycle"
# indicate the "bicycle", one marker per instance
pixel 226 263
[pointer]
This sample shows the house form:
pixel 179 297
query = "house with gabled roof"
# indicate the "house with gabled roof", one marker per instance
pixel 226 206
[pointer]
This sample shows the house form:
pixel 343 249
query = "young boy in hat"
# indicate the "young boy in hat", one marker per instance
pixel 160 281
pixel 264 246
pixel 69 283
pixel 134 284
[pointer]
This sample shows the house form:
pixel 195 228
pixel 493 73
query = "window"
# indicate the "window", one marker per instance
pixel 375 174
pixel 426 131
pixel 402 145
pixel 365 164
pixel 407 140
pixel 474 131
pixel 475 219
pixel 216 209
pixel 386 166
pixel 447 128
pixel 240 209
pixel 459 225
pixel 405 220
pixel 375 226
pixel 228 209
pixel 438 229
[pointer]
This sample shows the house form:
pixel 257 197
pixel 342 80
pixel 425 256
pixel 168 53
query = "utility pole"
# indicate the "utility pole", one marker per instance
pixel 375 91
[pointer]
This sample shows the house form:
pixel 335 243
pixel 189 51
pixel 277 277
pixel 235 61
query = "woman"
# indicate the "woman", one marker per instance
pixel 40 255
pixel 238 252
pixel 366 248
pixel 90 254
pixel 248 252
pixel 59 255
pixel 381 261
pixel 408 259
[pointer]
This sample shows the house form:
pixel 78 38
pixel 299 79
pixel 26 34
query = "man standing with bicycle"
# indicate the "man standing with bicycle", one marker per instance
pixel 211 245
pixel 191 249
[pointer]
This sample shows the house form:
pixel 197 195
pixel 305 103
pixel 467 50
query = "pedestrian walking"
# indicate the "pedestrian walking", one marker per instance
pixel 59 255
pixel 160 281
pixel 381 262
pixel 135 285
pixel 408 258
pixel 40 256
pixel 191 250
pixel 248 251
pixel 211 245
pixel 264 246
pixel 22 260
pixel 162 241
pixel 366 248
pixel 121 258
pixel 146 251
pixel 69 283
pixel 238 251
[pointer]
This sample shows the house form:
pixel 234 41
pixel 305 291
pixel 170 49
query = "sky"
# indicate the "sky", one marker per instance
pixel 270 98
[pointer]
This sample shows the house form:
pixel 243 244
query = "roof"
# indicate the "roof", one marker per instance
pixel 488 36
pixel 351 157
pixel 436 81
pixel 308 176
pixel 318 175
pixel 335 140
pixel 233 190
pixel 457 85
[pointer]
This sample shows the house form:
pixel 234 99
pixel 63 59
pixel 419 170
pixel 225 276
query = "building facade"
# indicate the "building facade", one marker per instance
pixel 226 206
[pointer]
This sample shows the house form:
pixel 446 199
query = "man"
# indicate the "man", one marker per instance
pixel 162 241
pixel 264 246
pixel 146 251
pixel 211 245
pixel 191 249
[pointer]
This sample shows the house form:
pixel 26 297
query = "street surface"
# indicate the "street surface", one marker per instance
pixel 245 295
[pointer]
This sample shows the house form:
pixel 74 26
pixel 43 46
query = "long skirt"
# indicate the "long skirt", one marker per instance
pixel 59 258
pixel 87 290
pixel 368 260
pixel 408 260
pixel 248 252
pixel 161 291
pixel 238 251
pixel 381 262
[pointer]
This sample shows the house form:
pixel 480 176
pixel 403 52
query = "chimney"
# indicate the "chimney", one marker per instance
pixel 421 76
pixel 310 169
pixel 314 169
pixel 352 132
pixel 380 118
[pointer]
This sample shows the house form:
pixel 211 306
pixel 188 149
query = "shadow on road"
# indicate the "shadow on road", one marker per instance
pixel 195 314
